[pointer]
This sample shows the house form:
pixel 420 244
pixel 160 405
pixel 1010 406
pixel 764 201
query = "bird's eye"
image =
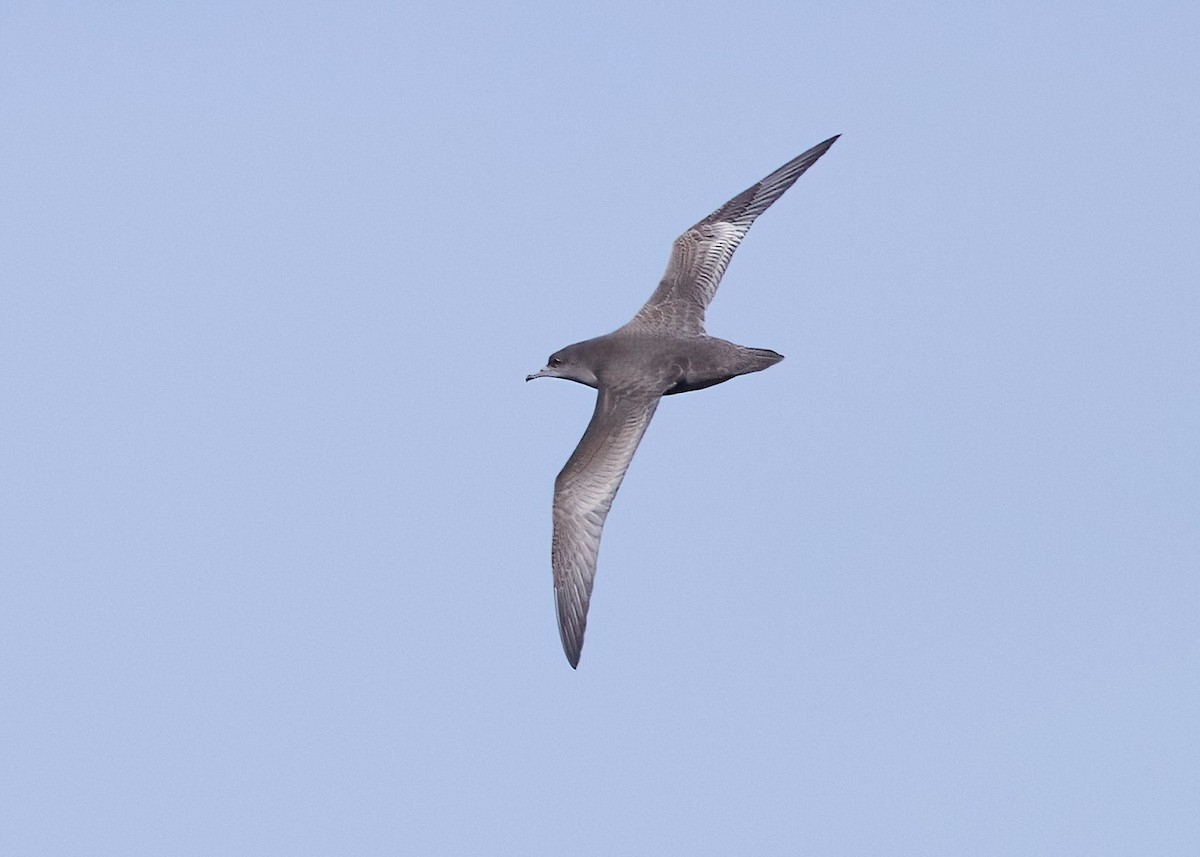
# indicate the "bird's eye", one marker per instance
pixel 555 361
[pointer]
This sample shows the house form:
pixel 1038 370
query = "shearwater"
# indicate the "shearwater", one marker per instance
pixel 662 350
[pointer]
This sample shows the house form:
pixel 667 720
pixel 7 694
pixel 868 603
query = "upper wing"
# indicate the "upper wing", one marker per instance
pixel 583 493
pixel 700 255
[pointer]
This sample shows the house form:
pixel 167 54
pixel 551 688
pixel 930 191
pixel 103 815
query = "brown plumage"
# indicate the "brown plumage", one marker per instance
pixel 663 350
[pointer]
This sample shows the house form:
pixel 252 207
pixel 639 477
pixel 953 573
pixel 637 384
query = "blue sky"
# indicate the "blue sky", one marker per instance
pixel 274 496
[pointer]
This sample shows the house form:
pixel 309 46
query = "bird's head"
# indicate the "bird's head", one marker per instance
pixel 571 363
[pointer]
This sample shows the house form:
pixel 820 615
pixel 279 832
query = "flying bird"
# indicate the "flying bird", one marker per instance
pixel 663 350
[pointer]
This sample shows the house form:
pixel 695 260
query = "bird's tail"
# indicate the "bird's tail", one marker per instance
pixel 758 359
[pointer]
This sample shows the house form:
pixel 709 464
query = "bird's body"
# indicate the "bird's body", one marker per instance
pixel 663 350
pixel 667 364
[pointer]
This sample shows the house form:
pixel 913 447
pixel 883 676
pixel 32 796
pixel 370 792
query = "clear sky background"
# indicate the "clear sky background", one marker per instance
pixel 275 498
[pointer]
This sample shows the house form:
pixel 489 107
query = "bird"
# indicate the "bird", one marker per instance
pixel 663 350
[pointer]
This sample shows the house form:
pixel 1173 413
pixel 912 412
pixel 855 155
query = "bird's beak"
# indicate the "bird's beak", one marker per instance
pixel 541 373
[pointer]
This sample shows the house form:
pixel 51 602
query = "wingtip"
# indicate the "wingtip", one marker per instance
pixel 572 621
pixel 572 649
